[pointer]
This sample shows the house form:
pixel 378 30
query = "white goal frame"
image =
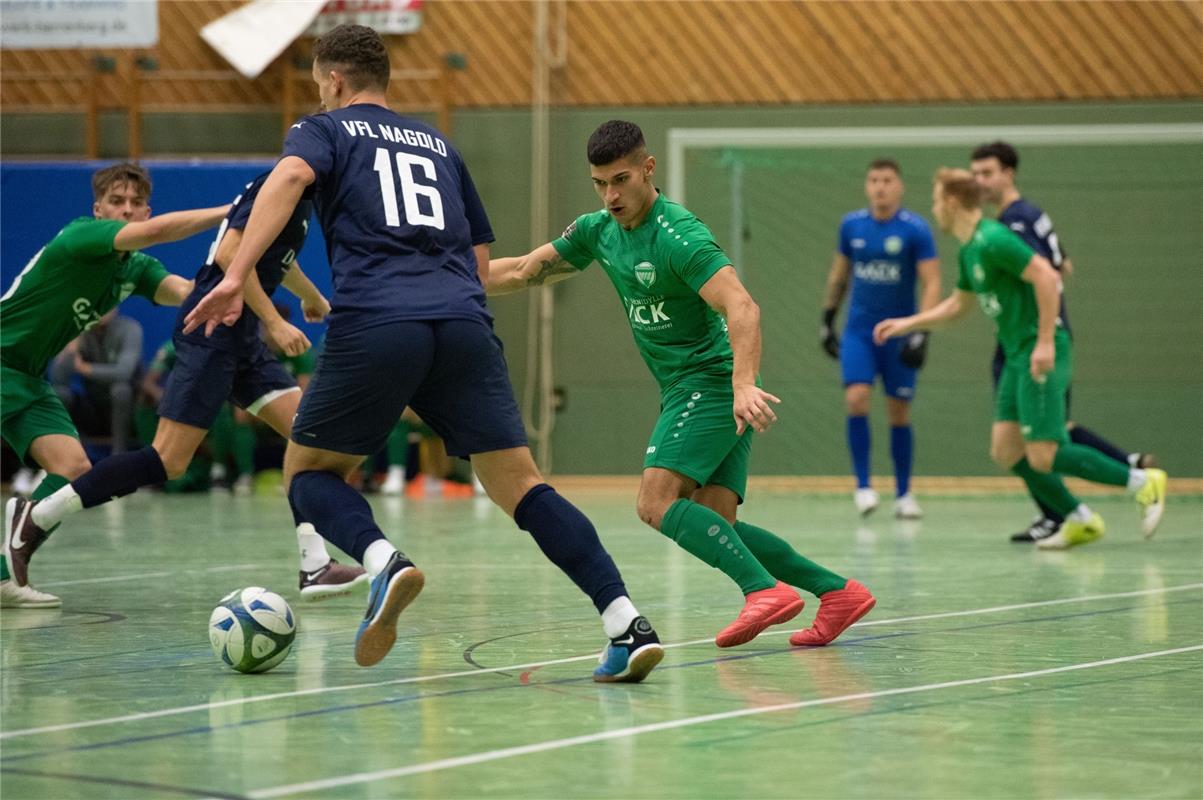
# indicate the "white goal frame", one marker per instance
pixel 681 139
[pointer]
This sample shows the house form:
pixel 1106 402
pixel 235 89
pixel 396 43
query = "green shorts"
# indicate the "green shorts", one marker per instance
pixel 1039 408
pixel 695 436
pixel 29 409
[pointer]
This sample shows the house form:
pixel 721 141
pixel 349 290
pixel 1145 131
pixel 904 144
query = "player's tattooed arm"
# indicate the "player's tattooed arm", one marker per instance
pixel 538 268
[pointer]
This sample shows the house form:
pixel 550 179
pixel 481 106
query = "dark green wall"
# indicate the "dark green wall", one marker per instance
pixel 1130 216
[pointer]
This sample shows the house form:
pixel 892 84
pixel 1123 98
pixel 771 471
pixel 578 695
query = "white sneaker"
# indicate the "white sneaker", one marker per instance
pixel 394 484
pixel 866 501
pixel 244 485
pixel 907 507
pixel 14 596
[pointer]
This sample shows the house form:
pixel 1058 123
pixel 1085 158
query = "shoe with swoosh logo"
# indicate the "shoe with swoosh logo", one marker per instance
pixel 630 657
pixel 21 538
pixel 331 580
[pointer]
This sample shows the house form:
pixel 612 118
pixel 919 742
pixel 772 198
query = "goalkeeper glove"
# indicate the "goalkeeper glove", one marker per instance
pixel 914 351
pixel 827 338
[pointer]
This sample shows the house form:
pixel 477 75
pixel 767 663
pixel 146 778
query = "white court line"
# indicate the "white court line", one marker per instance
pixel 145 575
pixel 619 733
pixel 168 712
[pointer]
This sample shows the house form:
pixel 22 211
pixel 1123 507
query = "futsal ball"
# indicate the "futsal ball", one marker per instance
pixel 252 629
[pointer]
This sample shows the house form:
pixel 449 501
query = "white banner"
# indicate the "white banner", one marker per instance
pixel 62 24
pixel 386 16
pixel 252 36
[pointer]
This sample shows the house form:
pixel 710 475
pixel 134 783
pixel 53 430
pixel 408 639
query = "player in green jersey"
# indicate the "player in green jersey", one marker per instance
pixel 1020 291
pixel 698 330
pixel 80 275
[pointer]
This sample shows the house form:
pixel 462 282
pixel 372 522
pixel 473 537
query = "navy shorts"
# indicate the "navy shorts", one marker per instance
pixel 451 372
pixel 204 378
pixel 861 361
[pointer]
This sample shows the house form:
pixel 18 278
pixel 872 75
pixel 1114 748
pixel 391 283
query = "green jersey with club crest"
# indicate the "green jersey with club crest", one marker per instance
pixel 658 269
pixel 990 265
pixel 66 288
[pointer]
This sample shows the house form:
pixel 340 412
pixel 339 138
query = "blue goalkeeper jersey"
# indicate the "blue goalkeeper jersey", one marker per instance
pixel 884 255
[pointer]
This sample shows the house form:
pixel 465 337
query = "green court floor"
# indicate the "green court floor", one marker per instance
pixel 987 670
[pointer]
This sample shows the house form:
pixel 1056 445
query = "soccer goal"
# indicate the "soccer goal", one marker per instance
pixel 1125 200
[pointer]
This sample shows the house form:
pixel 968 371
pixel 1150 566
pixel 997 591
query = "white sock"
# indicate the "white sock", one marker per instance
pixel 1136 480
pixel 1081 514
pixel 376 557
pixel 1133 459
pixel 312 547
pixel 618 616
pixel 50 511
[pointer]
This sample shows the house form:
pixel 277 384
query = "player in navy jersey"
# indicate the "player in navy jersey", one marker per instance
pixel 994 166
pixel 882 250
pixel 408 240
pixel 234 364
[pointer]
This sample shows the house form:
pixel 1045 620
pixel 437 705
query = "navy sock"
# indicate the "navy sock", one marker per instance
pixel 1049 512
pixel 902 443
pixel 119 475
pixel 569 540
pixel 858 443
pixel 339 513
pixel 1085 436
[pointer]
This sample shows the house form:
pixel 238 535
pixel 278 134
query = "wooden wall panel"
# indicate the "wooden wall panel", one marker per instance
pixel 675 52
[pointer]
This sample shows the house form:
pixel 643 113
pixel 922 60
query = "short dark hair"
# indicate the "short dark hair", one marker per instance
pixel 614 140
pixel 359 52
pixel 125 172
pixel 885 163
pixel 1004 152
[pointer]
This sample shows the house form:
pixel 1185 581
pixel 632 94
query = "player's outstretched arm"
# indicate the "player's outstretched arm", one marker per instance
pixel 286 336
pixel 170 227
pixel 173 290
pixel 1047 285
pixel 725 293
pixel 541 266
pixel 833 296
pixel 278 198
pixel 947 311
pixel 314 305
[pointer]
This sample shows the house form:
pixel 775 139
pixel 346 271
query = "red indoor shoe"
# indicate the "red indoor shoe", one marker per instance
pixel 838 609
pixel 761 609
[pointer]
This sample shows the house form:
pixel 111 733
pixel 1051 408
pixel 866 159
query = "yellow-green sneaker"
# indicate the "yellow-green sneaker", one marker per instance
pixel 1152 501
pixel 1073 533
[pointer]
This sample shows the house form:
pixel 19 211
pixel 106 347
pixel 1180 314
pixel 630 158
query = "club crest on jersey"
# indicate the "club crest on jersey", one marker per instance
pixel 645 273
pixel 893 245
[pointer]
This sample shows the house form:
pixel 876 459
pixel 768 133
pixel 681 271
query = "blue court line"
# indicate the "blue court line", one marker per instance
pixel 201 729
pixel 158 787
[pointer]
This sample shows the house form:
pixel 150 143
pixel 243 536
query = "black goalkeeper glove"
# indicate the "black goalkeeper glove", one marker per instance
pixel 827 338
pixel 914 351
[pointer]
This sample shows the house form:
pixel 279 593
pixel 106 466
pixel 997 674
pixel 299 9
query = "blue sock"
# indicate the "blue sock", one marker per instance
pixel 902 444
pixel 858 443
pixel 339 513
pixel 119 475
pixel 569 540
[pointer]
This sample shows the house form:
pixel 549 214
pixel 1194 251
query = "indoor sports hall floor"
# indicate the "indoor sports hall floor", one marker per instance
pixel 988 669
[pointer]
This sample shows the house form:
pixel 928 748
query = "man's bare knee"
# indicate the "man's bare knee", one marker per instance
pixel 1041 458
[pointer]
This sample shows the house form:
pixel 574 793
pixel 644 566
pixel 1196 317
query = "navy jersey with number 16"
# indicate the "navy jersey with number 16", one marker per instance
pixel 400 215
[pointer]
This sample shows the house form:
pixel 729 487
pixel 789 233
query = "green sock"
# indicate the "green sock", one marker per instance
pixel 49 485
pixel 787 564
pixel 221 436
pixel 4 573
pixel 1088 463
pixel 244 449
pixel 1047 487
pixel 398 444
pixel 706 535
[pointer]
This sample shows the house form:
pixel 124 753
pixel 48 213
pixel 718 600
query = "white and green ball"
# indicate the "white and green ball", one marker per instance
pixel 252 629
